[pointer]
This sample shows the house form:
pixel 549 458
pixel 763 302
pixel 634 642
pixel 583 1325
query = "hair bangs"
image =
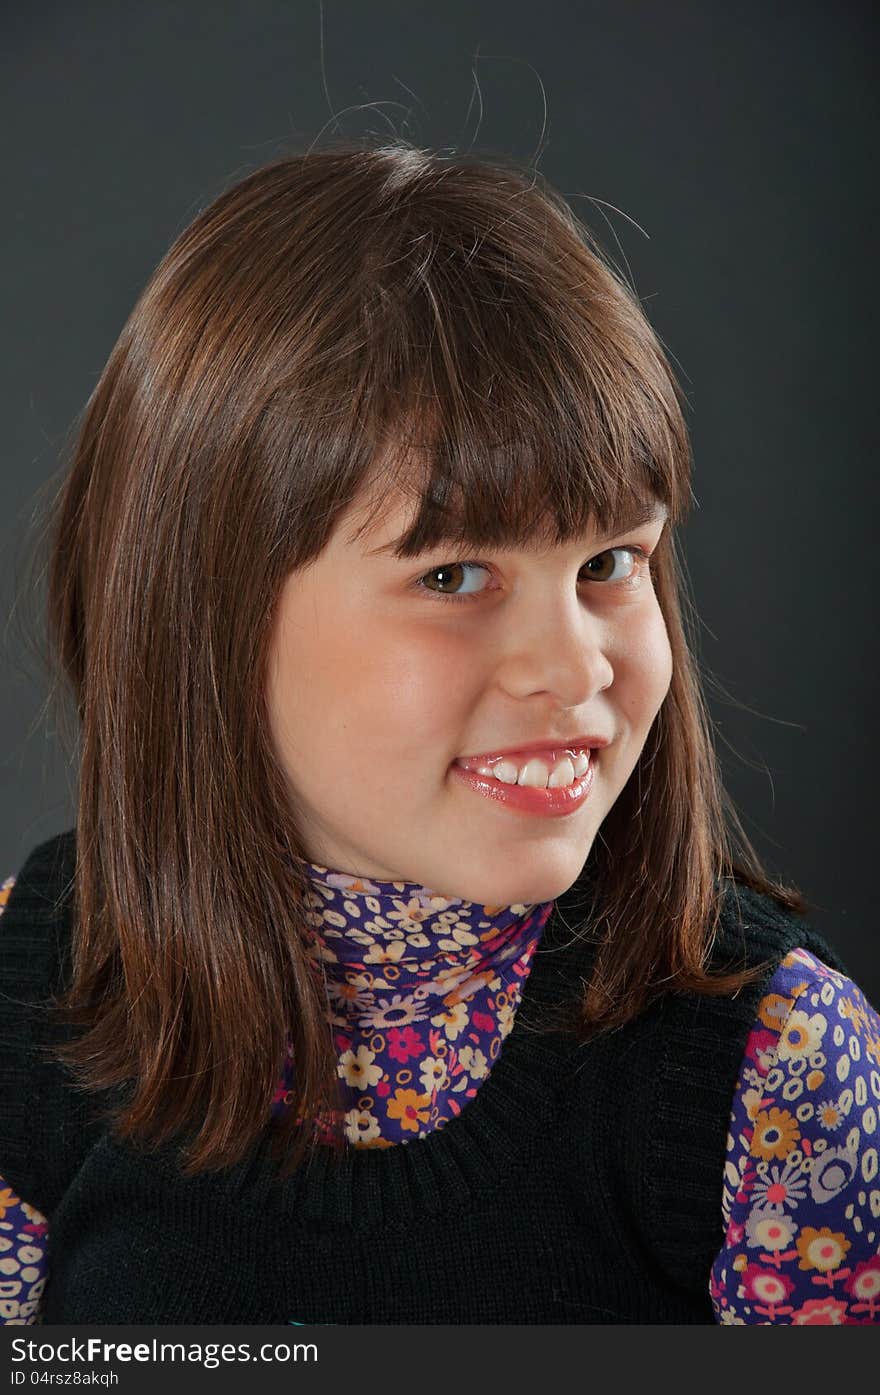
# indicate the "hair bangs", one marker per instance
pixel 530 495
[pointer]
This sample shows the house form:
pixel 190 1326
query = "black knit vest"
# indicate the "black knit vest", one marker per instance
pixel 582 1183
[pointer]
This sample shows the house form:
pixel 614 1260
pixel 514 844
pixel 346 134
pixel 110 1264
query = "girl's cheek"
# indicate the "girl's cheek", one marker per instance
pixel 662 662
pixel 648 662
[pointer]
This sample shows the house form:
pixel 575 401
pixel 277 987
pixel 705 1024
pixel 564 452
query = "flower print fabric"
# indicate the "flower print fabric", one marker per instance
pixel 23 1240
pixel 801 1193
pixel 422 988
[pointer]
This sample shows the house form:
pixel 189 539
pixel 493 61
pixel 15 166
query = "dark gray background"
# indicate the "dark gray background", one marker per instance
pixel 740 138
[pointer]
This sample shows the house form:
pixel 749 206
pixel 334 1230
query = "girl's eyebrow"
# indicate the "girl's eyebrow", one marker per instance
pixel 643 511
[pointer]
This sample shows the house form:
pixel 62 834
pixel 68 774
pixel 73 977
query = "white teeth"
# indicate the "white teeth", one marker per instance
pixel 563 773
pixel 536 772
pixel 505 771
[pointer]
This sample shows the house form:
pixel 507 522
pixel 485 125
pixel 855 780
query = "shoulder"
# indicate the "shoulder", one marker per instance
pixel 34 899
pixel 811 1021
pixel 35 946
pixel 707 1032
pixel 755 928
pixel 803 1135
pixel 35 905
pixel 803 980
pixel 46 872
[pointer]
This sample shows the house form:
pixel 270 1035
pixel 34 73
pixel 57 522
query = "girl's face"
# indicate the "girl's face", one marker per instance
pixel 378 683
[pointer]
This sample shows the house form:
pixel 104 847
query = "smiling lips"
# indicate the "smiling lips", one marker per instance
pixel 532 789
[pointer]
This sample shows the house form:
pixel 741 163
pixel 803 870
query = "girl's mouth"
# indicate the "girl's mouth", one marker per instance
pixel 539 799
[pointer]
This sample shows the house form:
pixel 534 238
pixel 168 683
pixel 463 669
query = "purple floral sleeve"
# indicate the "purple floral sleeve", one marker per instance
pixel 23 1236
pixel 801 1192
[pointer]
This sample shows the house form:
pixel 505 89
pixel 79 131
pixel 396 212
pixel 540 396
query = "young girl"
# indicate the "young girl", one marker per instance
pixel 407 962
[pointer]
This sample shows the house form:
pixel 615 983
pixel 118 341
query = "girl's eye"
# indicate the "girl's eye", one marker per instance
pixel 597 567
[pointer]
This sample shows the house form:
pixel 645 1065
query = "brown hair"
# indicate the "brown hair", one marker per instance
pixel 452 320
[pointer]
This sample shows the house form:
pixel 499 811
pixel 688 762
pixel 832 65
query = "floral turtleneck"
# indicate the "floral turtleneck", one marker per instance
pixel 422 991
